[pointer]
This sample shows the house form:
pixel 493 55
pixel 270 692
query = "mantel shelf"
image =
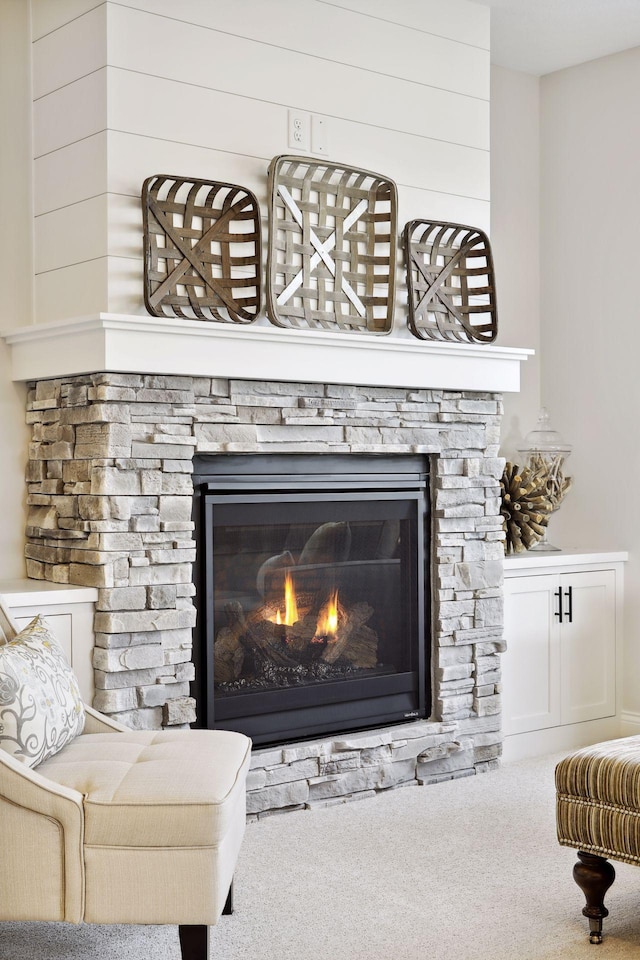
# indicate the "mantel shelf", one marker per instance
pixel 148 345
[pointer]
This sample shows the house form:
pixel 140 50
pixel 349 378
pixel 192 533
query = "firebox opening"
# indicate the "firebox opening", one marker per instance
pixel 312 581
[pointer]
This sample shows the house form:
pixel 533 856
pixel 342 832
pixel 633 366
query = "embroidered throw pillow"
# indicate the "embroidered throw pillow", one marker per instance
pixel 40 704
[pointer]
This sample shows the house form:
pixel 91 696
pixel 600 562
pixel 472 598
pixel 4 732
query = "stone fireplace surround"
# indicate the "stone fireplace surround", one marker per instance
pixel 109 505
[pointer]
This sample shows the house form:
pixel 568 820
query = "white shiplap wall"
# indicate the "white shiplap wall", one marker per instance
pixel 202 88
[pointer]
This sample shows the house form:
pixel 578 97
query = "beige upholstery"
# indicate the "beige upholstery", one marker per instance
pixel 122 826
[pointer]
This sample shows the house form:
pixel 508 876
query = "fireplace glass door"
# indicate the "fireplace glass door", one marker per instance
pixel 313 613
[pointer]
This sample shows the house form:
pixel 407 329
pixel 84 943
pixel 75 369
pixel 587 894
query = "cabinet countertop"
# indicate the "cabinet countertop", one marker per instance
pixel 24 593
pixel 562 558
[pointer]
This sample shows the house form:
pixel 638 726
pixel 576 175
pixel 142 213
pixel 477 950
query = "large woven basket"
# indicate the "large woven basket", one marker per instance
pixel 332 246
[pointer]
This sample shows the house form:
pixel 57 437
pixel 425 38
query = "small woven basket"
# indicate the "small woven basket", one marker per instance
pixel 451 282
pixel 202 246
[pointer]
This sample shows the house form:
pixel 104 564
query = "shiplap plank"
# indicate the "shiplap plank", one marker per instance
pixel 71 235
pixel 71 52
pixel 86 160
pixel 266 73
pixel 458 19
pixel 157 108
pixel 132 158
pixel 67 115
pixel 317 30
pixel 415 161
pixel 49 15
pixel 75 291
pixel 416 204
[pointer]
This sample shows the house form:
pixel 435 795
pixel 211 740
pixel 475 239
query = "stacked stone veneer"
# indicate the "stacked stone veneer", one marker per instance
pixel 109 505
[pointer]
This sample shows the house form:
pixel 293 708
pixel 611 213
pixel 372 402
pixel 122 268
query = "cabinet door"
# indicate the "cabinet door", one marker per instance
pixel 588 643
pixel 531 663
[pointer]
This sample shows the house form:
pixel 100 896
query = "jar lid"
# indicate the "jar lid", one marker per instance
pixel 544 439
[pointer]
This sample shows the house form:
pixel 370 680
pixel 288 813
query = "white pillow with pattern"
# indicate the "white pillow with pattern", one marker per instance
pixel 41 709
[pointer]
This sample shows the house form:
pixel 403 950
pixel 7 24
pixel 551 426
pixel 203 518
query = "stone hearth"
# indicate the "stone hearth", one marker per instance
pixel 110 501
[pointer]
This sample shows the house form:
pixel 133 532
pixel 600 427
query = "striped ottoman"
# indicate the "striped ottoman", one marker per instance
pixel 598 811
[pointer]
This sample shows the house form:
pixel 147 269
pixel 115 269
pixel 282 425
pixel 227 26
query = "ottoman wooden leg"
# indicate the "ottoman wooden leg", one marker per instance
pixel 594 875
pixel 194 942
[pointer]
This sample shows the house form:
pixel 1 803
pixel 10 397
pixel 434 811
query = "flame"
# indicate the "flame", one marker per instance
pixel 327 625
pixel 290 603
pixel 291 615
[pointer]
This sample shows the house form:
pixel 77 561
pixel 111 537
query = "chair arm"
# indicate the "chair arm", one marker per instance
pixel 96 722
pixel 41 836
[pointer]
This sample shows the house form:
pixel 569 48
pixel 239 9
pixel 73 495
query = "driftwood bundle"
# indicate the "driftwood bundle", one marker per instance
pixel 556 484
pixel 526 507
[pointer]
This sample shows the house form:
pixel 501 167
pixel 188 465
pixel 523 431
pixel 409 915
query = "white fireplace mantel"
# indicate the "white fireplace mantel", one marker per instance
pixel 148 345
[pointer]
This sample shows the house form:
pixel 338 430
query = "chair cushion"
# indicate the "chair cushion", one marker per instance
pixel 156 788
pixel 41 708
pixel 598 799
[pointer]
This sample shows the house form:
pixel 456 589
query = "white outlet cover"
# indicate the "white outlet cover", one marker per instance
pixel 299 124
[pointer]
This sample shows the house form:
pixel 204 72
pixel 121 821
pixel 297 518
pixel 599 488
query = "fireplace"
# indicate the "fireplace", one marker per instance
pixel 311 592
pixel 111 504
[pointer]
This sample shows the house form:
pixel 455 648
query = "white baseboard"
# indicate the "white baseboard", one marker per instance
pixel 629 724
pixel 521 746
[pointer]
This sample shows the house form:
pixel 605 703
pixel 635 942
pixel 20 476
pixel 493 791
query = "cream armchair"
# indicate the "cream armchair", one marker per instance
pixel 124 826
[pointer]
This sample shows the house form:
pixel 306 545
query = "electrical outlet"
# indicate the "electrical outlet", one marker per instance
pixel 319 135
pixel 298 130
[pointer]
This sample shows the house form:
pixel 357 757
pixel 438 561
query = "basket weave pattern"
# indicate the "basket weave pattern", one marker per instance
pixel 451 282
pixel 202 250
pixel 332 247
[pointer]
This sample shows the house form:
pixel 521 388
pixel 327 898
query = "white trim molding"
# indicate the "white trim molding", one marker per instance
pixel 135 344
pixel 629 724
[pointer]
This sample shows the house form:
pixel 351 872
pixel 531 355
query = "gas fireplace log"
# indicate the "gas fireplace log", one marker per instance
pixel 262 638
pixel 362 649
pixel 228 652
pixel 348 626
pixel 300 636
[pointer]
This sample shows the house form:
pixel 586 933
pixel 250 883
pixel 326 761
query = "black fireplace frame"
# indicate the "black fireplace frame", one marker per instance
pixel 235 478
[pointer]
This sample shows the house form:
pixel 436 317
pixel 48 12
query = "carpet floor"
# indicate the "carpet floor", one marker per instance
pixel 466 870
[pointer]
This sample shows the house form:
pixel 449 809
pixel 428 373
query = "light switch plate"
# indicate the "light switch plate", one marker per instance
pixel 319 135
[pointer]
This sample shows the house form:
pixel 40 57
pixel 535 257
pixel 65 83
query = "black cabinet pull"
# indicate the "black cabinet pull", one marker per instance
pixel 558 593
pixel 569 596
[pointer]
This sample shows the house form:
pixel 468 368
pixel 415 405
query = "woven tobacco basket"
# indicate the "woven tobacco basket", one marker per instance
pixel 202 246
pixel 332 247
pixel 451 282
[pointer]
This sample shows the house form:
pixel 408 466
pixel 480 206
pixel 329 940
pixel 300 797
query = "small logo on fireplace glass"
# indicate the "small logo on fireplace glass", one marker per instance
pixel 411 714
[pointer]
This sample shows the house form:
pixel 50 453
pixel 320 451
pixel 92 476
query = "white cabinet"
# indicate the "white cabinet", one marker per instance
pixel 69 610
pixel 531 663
pixel 563 632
